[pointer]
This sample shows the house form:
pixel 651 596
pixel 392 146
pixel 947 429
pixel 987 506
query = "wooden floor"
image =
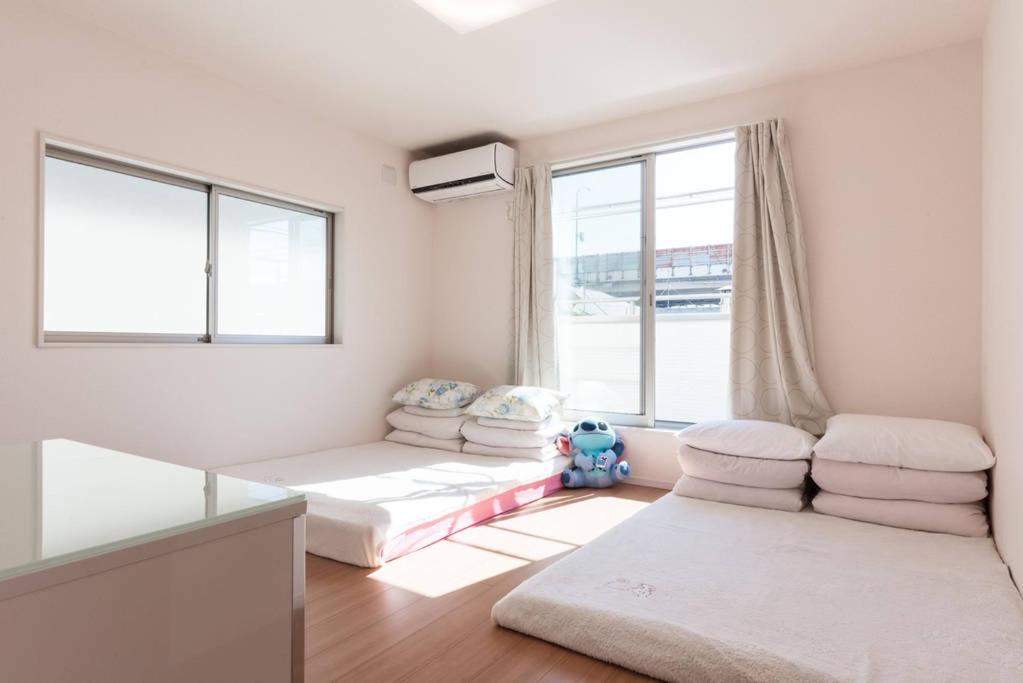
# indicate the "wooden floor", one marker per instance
pixel 426 616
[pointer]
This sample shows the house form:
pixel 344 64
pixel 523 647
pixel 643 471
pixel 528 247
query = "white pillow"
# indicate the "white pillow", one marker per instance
pixel 508 402
pixel 433 427
pixel 749 439
pixel 904 442
pixel 436 393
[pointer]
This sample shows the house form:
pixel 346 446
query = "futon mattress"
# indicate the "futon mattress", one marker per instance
pixel 702 591
pixel 371 503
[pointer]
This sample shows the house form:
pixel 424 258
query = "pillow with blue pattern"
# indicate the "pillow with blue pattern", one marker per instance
pixel 508 402
pixel 439 394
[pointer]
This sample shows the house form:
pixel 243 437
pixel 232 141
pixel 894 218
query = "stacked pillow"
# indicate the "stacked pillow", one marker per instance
pixel 514 422
pixel 432 413
pixel 919 474
pixel 745 462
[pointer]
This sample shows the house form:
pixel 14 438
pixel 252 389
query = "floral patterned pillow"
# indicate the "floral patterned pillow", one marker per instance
pixel 436 393
pixel 530 404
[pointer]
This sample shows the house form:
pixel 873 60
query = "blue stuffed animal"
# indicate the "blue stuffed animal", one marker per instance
pixel 597 457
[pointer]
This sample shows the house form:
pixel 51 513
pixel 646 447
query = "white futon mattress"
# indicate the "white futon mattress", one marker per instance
pixel 695 590
pixel 362 499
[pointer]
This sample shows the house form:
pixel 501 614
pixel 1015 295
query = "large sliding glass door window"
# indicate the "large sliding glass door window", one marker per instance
pixel 643 254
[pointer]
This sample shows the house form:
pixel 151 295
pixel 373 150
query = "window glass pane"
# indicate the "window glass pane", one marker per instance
pixel 272 270
pixel 693 279
pixel 122 253
pixel 597 250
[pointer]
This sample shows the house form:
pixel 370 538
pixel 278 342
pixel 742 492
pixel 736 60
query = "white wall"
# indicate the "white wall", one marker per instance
pixel 1003 279
pixel 472 306
pixel 203 405
pixel 887 167
pixel 887 163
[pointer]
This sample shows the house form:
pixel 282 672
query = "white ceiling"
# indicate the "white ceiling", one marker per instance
pixel 390 69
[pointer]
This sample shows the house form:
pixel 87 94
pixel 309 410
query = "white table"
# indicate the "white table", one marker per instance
pixel 115 567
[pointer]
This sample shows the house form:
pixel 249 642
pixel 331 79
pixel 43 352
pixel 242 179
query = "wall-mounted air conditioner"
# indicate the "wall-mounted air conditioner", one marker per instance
pixel 472 173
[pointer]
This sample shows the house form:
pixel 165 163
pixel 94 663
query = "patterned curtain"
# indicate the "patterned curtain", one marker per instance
pixel 536 361
pixel 771 371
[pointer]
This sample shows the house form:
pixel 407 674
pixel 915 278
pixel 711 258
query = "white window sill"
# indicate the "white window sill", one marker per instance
pixel 659 427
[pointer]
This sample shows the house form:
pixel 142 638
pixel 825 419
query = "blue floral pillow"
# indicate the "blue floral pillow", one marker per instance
pixel 529 404
pixel 440 394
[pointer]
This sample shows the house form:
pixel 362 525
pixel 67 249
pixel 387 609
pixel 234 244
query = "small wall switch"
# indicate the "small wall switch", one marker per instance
pixel 388 175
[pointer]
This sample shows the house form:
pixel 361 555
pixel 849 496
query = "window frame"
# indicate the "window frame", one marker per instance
pixel 644 418
pixel 212 298
pixel 70 152
pixel 648 243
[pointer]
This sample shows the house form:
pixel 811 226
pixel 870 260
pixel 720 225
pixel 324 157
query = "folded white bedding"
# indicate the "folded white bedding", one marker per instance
pixel 732 469
pixel 554 421
pixel 506 438
pixel 434 412
pixel 791 500
pixel 417 439
pixel 433 427
pixel 898 483
pixel 544 453
pixel 962 519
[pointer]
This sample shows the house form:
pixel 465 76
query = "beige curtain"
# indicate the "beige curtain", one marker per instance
pixel 772 360
pixel 536 362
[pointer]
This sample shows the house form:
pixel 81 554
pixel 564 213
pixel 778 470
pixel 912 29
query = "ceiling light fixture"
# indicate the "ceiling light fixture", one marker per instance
pixel 465 16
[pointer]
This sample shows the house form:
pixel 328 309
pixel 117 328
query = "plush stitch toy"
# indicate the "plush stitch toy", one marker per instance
pixel 597 456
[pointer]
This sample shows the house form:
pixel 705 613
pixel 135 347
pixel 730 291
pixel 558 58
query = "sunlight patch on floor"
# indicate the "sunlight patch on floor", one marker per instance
pixel 575 523
pixel 444 567
pixel 508 542
pixel 553 526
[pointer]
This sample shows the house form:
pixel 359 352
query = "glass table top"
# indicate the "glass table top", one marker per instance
pixel 61 501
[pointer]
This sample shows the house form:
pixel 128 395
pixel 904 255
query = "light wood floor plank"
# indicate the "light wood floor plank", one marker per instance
pixel 344 593
pixel 334 662
pixel 316 566
pixel 403 660
pixel 468 657
pixel 354 618
pixel 529 660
